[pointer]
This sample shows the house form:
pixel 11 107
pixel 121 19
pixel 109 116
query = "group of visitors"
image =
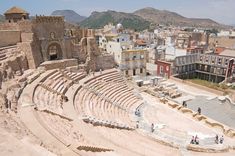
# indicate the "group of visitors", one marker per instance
pixel 194 140
pixel 219 140
pixel 199 110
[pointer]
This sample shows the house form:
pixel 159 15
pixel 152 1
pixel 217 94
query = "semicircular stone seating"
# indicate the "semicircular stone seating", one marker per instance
pixel 106 100
pixel 50 92
pixel 48 98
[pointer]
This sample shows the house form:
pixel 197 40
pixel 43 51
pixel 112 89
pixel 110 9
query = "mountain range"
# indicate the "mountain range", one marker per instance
pixel 143 18
pixel 138 20
pixel 70 16
pixel 165 17
pixel 128 20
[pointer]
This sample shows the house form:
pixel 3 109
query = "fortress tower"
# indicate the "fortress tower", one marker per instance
pixel 16 14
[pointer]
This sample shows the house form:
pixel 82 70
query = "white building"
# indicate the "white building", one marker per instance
pixel 131 60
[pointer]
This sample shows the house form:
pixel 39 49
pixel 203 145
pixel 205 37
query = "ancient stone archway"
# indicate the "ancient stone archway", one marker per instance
pixel 54 51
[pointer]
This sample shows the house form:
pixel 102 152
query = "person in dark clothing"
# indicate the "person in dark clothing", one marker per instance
pixel 196 140
pixel 152 128
pixel 184 104
pixel 199 110
pixel 216 139
pixel 192 140
pixel 221 140
pixel 137 124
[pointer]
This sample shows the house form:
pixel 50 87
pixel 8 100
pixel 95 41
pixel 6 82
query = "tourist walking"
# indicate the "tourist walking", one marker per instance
pixel 137 124
pixel 199 110
pixel 196 140
pixel 184 104
pixel 216 139
pixel 221 140
pixel 192 140
pixel 152 128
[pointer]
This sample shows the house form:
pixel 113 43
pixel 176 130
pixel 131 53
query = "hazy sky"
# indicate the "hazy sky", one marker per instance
pixel 222 11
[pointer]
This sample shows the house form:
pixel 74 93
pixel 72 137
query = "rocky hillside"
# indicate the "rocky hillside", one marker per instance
pixel 70 15
pixel 128 20
pixel 171 18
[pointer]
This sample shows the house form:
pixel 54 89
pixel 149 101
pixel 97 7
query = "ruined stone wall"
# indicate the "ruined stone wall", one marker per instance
pixel 43 26
pixel 61 64
pixel 92 52
pixel 82 53
pixel 68 48
pixel 105 62
pixel 25 26
pixel 75 49
pixel 8 38
pixel 50 30
pixel 30 46
pixel 26 37
pixel 9 26
pixel 18 63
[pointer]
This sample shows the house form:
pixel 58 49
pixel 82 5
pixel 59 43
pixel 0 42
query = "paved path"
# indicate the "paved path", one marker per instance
pixel 191 90
pixel 11 146
pixel 223 112
pixel 178 131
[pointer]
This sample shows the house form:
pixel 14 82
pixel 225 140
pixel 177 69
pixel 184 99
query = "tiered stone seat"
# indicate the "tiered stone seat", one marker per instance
pixel 103 101
pixel 103 76
pixel 50 93
pixel 7 52
pixel 73 76
pixel 46 100
pixel 64 130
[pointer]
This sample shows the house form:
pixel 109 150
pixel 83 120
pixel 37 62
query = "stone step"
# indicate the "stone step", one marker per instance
pixel 184 151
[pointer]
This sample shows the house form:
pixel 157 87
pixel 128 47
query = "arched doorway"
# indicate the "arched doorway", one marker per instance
pixel 54 51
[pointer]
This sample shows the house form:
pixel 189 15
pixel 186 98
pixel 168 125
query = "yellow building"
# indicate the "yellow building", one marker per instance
pixel 133 62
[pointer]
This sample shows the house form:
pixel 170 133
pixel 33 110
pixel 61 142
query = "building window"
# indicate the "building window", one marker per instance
pixel 226 62
pixel 126 72
pixel 52 35
pixel 201 58
pixel 134 57
pixel 224 71
pixel 219 61
pixel 167 68
pixel 53 52
pixel 134 72
pixel 161 69
pixel 213 61
pixel 141 70
pixel 205 68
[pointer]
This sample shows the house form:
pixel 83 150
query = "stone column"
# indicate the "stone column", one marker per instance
pixel 45 55
pixel 63 49
pixel 44 51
